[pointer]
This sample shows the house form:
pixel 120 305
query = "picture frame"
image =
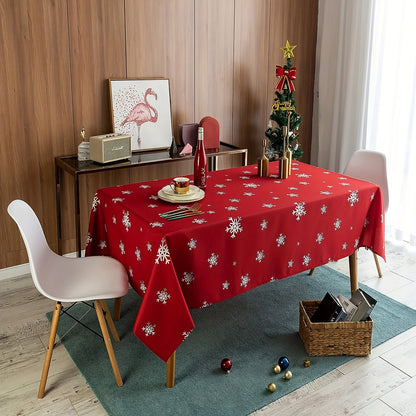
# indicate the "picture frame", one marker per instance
pixel 141 108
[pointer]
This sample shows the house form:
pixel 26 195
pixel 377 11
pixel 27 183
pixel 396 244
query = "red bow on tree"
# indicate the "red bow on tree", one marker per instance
pixel 286 76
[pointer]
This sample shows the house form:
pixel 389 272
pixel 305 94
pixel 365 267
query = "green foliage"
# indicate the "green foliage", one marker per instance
pixel 279 118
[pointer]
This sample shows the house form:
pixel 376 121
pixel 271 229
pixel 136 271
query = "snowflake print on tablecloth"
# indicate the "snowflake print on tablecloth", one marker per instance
pixel 156 224
pixel 163 254
pixel 231 208
pixel 344 246
pixel 118 199
pixel 268 205
pixel 131 272
pixel 144 186
pixel 353 197
pixel 280 240
pixel 306 259
pixel 337 224
pixel 248 194
pixel 149 329
pixel 244 280
pixel 263 225
pixel 126 220
pixel 95 203
pixel 114 220
pixel 199 221
pixel 188 277
pixel 319 238
pixel 225 285
pixel 234 227
pixel 323 209
pixel 299 211
pixel 162 296
pixel 121 245
pixel 213 260
pixel 89 239
pixel 126 192
pixel 149 246
pixel 102 244
pixel 303 175
pixel 290 263
pixel 186 334
pixel 356 242
pixel 142 286
pixel 192 244
pixel 153 206
pixel 234 200
pixel 138 254
pixel 260 256
pixel 251 185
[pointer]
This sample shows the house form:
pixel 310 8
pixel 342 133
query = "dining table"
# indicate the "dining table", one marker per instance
pixel 247 231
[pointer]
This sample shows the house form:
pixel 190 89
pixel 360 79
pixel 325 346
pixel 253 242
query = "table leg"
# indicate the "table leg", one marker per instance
pixel 58 206
pixel 170 371
pixel 77 215
pixel 353 272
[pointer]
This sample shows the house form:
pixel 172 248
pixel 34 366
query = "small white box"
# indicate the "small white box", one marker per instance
pixel 110 147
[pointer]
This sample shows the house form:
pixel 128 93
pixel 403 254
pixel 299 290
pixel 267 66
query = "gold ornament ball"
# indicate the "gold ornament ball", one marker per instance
pixel 271 387
pixel 288 375
pixel 277 369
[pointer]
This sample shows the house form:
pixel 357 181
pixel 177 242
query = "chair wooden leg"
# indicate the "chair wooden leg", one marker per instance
pixel 377 265
pixel 117 309
pixel 353 272
pixel 108 344
pixel 49 350
pixel 110 322
pixel 311 272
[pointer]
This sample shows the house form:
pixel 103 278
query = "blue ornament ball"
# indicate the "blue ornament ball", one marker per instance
pixel 283 363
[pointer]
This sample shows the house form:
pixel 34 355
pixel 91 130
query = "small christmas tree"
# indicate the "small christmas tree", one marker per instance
pixel 284 109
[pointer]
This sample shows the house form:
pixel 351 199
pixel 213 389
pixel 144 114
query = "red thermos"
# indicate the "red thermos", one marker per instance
pixel 200 162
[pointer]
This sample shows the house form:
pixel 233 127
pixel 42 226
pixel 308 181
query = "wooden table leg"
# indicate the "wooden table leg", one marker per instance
pixel 353 272
pixel 170 371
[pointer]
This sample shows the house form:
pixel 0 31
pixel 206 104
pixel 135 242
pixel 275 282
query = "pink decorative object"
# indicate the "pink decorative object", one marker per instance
pixel 211 133
pixel 187 150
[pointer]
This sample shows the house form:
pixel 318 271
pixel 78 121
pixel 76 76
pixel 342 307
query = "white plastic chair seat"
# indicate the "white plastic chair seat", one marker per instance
pixel 68 279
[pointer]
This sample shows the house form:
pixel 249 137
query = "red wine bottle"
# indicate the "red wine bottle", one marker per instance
pixel 200 162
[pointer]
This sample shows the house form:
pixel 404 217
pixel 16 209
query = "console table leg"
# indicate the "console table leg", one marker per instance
pixel 170 371
pixel 353 272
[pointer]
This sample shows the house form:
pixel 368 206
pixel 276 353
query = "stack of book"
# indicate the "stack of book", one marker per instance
pixel 340 309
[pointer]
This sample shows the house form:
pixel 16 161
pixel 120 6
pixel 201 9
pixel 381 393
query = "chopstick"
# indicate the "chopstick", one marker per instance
pixel 178 216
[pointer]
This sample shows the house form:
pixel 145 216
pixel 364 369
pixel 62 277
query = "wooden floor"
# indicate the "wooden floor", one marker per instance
pixel 382 384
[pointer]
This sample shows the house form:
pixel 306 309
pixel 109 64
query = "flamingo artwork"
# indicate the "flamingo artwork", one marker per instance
pixel 141 113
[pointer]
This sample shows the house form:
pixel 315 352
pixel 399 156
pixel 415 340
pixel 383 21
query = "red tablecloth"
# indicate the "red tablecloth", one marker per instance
pixel 254 230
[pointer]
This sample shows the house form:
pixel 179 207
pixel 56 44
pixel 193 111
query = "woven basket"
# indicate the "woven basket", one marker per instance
pixel 333 338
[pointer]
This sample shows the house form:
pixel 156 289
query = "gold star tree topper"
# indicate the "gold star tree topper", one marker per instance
pixel 288 50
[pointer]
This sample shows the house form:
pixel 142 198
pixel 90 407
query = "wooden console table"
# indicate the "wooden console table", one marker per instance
pixel 75 168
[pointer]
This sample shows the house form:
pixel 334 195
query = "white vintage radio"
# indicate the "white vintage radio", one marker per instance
pixel 110 147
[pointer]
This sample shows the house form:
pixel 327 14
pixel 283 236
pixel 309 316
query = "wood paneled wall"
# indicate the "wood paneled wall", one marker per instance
pixel 56 57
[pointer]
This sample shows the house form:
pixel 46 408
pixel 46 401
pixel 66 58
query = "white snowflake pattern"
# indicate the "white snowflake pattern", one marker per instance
pixel 345 184
pixel 280 240
pixel 95 203
pixel 268 206
pixel 188 277
pixel 251 185
pixel 225 285
pixel 366 222
pixel 303 183
pixel 199 221
pixel 143 287
pixel 89 239
pixel 154 197
pixel 319 238
pixel 292 195
pixel 213 260
pixel 163 254
pixel 117 199
pixel 299 211
pixel 186 334
pixel 149 329
pixel 114 220
pixel 205 304
pixel 153 205
pixel 325 193
pixel 306 259
pixel 121 245
pixel 192 244
pixel 149 246
pixel 344 246
pixel 244 280
pixel 290 263
pixel 220 185
pixel 248 194
pixel 220 193
pixel 260 256
pixel 244 177
pixel 356 242
pixel 231 208
pixel 156 224
pixel 234 200
pixel 303 175
pixel 234 227
pixel 337 224
pixel 292 188
pixel 353 197
pixel 144 186
pixel 131 272
pixel 162 296
pixel 263 225
pixel 323 209
pixel 126 192
pixel 102 244
pixel 126 220
pixel 138 254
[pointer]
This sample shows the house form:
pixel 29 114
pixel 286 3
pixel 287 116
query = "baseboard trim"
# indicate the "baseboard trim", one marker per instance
pixel 22 269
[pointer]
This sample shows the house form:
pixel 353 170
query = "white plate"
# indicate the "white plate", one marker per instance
pixel 168 195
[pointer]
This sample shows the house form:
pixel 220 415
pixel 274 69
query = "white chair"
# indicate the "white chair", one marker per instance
pixel 64 279
pixel 370 166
